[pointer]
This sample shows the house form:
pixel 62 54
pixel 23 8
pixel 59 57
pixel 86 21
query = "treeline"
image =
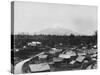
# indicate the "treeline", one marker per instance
pixel 50 40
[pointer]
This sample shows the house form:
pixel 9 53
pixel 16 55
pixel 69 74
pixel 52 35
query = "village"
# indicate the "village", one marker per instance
pixel 58 58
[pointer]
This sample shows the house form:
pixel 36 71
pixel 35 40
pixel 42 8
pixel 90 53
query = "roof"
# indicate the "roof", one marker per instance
pixel 64 56
pixel 72 62
pixel 39 67
pixel 92 51
pixel 57 59
pixel 94 55
pixel 53 48
pixel 43 56
pixel 81 53
pixel 71 53
pixel 94 59
pixel 80 58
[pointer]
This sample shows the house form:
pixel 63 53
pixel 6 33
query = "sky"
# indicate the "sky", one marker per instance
pixel 31 17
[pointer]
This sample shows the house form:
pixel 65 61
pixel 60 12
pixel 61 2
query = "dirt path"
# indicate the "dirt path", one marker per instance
pixel 18 67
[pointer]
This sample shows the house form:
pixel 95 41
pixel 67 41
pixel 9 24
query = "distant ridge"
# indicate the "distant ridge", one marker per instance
pixel 57 31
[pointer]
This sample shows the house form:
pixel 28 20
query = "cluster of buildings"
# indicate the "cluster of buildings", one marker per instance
pixel 57 59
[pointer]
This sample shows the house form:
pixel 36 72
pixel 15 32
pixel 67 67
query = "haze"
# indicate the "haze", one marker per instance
pixel 30 17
